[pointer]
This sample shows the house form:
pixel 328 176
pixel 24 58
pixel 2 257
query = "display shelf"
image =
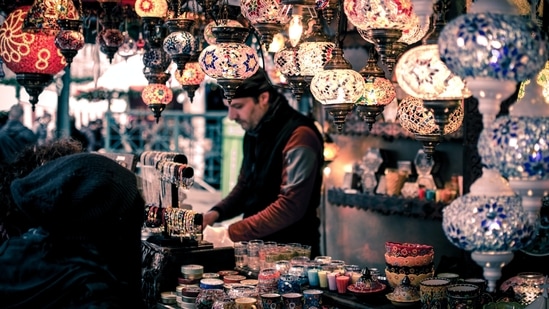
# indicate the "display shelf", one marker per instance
pixel 388 205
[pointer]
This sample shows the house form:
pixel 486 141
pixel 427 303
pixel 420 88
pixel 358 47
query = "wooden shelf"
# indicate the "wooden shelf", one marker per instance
pixel 387 205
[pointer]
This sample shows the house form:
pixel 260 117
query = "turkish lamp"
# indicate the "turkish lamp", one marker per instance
pixel 155 60
pixel 43 16
pixel 156 94
pixel 383 22
pixel 152 13
pixel 285 62
pixel 314 52
pixel 70 38
pixel 190 77
pixel 180 42
pixel 265 18
pixel 492 49
pixel 230 61
pixel 517 146
pixel 490 222
pixel 415 118
pixel 378 91
pixel 33 57
pixel 129 46
pixel 421 74
pixel 337 87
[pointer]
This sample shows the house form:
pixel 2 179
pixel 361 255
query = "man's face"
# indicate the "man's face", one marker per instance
pixel 247 112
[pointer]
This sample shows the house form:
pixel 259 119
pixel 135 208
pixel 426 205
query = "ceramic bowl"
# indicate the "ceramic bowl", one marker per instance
pixel 422 269
pixel 394 279
pixel 407 249
pixel 409 260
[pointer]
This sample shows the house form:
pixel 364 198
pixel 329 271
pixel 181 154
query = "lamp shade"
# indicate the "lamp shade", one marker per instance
pixel 229 60
pixel 313 56
pixel 378 14
pixel 44 14
pixel 265 17
pixel 417 119
pixel 191 75
pixel 421 73
pixel 491 45
pixel 489 218
pixel 377 91
pixel 28 52
pixel 151 8
pixel 33 57
pixel 157 94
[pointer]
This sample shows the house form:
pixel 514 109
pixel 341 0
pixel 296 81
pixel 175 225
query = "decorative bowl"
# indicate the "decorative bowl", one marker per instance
pixel 407 249
pixel 394 279
pixel 421 269
pixel 362 291
pixel 409 260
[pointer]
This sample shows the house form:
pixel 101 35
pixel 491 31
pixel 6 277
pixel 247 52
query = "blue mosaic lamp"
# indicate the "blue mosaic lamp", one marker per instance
pixel 490 222
pixel 493 49
pixel 517 146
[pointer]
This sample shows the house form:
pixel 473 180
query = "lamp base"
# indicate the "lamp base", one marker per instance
pixel 157 109
pixel 267 32
pixel 34 84
pixel 298 84
pixel 190 89
pixel 369 113
pixel 492 263
pixel 339 112
pixel 429 141
pixel 489 93
pixel 229 86
pixel 532 192
pixel 441 111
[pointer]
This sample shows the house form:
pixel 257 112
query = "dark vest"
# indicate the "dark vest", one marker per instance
pixel 263 165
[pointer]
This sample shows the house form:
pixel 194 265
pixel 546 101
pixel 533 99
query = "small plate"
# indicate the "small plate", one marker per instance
pixel 402 303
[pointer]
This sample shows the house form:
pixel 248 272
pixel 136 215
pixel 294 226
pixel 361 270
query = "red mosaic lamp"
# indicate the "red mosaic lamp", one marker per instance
pixel 190 77
pixel 33 57
pixel 156 94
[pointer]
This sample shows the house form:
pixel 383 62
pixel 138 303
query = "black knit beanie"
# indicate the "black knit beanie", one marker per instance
pixel 79 195
pixel 254 85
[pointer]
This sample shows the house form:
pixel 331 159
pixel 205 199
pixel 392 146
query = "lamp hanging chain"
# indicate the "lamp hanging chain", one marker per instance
pixel 341 25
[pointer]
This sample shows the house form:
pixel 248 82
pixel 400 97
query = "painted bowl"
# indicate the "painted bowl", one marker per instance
pixel 410 260
pixel 395 278
pixel 405 249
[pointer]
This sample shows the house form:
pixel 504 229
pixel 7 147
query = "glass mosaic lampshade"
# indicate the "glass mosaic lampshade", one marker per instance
pixel 517 146
pixel 383 22
pixel 492 49
pixel 157 96
pixel 151 8
pixel 180 42
pixel 230 61
pixel 490 222
pixel 414 117
pixel 70 38
pixel 265 17
pixel 191 77
pixel 33 57
pixel 378 91
pixel 542 79
pixel 43 16
pixel 337 87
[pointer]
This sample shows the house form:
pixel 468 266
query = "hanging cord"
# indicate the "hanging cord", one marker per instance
pixel 341 25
